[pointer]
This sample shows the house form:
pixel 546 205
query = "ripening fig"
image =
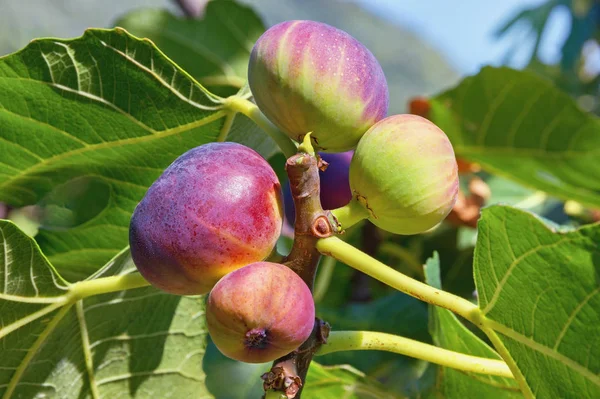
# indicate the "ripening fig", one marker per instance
pixel 260 312
pixel 307 76
pixel 215 209
pixel 404 174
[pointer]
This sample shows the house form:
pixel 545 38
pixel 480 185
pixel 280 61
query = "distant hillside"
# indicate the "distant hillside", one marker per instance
pixel 411 66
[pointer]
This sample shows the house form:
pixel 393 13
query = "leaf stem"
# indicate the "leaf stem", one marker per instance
pixel 357 259
pixel 243 106
pixel 404 255
pixel 350 214
pixel 368 340
pixel 226 127
pixel 105 285
pixel 501 349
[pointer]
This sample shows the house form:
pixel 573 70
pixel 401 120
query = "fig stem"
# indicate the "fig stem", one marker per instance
pixel 353 257
pixel 105 285
pixel 306 145
pixel 367 340
pixel 226 127
pixel 312 223
pixel 350 214
pixel 239 104
pixel 270 394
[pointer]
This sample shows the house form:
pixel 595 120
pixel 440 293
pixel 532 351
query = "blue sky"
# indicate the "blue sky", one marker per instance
pixel 462 30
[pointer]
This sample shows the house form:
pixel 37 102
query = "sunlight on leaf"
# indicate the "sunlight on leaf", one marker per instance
pixel 539 291
pixel 449 333
pixel 106 106
pixel 518 125
pixel 134 343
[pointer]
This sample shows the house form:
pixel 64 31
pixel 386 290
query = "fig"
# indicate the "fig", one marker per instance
pixel 260 312
pixel 216 208
pixel 404 174
pixel 308 76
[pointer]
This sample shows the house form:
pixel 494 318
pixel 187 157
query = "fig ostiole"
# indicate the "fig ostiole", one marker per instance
pixel 216 208
pixel 404 175
pixel 260 312
pixel 308 76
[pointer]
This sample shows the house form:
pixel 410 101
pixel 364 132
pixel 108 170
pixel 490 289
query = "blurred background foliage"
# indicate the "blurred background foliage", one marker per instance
pixel 413 67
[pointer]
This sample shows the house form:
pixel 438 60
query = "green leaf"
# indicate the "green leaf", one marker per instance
pixel 518 125
pixel 333 382
pixel 397 314
pixel 215 49
pixel 449 333
pixel 106 107
pixel 539 291
pixel 136 343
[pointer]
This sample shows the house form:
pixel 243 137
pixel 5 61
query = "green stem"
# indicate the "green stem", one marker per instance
pixel 357 259
pixel 350 214
pixel 241 105
pixel 226 127
pixel 404 255
pixel 367 340
pixel 501 349
pixel 106 285
pixel 270 394
pixel 323 277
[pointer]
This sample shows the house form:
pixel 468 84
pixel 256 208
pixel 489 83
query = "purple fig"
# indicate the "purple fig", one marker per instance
pixel 215 209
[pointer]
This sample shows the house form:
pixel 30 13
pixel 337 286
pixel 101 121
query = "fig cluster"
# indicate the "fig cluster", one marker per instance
pixel 206 225
pixel 309 77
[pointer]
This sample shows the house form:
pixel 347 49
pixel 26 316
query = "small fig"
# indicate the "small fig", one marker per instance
pixel 307 76
pixel 215 209
pixel 260 312
pixel 404 174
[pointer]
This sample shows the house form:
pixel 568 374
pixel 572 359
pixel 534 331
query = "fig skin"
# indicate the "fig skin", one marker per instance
pixel 308 76
pixel 216 208
pixel 404 173
pixel 260 312
pixel 334 184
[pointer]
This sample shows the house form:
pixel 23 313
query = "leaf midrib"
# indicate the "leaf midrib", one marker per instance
pixel 536 346
pixel 109 144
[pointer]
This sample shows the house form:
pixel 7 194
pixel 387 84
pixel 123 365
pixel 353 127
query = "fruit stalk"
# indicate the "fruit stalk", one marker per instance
pixel 250 110
pixel 368 340
pixel 357 259
pixel 312 223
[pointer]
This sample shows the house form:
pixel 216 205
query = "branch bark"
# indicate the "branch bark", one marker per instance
pixel 287 375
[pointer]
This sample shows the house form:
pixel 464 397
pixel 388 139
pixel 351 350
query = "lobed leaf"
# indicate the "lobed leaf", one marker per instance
pixel 539 293
pixel 518 125
pixel 105 112
pixel 138 343
pixel 449 333
pixel 214 49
